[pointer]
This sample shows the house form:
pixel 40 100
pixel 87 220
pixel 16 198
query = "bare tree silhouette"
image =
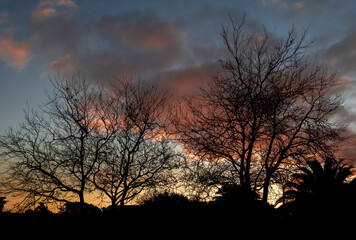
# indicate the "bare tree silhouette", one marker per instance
pixel 265 109
pixel 141 155
pixel 52 154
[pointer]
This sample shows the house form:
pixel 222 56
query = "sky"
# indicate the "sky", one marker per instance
pixel 176 42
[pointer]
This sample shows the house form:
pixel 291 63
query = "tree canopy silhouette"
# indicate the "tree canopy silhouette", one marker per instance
pixel 52 153
pixel 266 108
pixel 141 155
pixel 85 139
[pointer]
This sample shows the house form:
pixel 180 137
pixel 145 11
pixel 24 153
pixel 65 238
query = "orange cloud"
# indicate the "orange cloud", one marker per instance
pixel 14 54
pixel 68 3
pixel 51 3
pixel 184 81
pixel 49 8
pixel 64 64
pixel 43 13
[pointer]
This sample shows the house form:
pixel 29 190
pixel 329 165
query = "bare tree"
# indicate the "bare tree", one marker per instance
pixel 53 152
pixel 267 108
pixel 141 155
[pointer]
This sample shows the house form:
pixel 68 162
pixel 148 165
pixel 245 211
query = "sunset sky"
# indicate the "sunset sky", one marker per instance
pixel 173 41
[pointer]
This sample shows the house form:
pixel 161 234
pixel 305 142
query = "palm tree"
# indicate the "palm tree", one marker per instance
pixel 318 186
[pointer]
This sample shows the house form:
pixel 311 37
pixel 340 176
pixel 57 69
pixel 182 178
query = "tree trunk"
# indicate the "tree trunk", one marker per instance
pixel 113 205
pixel 266 188
pixel 81 197
pixel 122 200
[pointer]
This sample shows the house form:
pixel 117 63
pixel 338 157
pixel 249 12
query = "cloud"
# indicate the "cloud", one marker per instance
pixel 63 64
pixel 346 150
pixel 161 35
pixel 139 44
pixel 68 3
pixel 14 54
pixel 43 14
pixel 298 5
pixel 185 80
pixel 55 38
pixel 3 17
pixel 138 29
pixel 341 56
pixel 266 2
pixel 52 8
pixel 52 3
pixel 284 4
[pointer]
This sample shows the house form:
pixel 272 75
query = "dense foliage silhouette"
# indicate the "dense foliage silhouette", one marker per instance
pixel 168 200
pixel 2 203
pixel 321 190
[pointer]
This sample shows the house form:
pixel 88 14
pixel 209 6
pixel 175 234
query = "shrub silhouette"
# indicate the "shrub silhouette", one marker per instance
pixel 2 203
pixel 41 210
pixel 77 208
pixel 167 200
pixel 233 194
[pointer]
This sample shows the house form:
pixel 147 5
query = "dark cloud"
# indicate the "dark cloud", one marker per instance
pixel 55 37
pixel 133 44
pixel 138 43
pixel 341 56
pixel 148 43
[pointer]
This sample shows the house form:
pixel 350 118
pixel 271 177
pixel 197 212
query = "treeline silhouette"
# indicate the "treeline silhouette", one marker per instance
pixel 233 209
pixel 162 211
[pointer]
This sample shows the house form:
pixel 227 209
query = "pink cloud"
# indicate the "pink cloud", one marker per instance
pixel 51 8
pixel 183 81
pixel 43 13
pixel 63 64
pixel 52 3
pixel 14 54
pixel 68 3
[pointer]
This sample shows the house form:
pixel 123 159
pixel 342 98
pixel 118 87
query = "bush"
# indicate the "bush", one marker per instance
pixel 232 194
pixel 2 203
pixel 77 208
pixel 167 200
